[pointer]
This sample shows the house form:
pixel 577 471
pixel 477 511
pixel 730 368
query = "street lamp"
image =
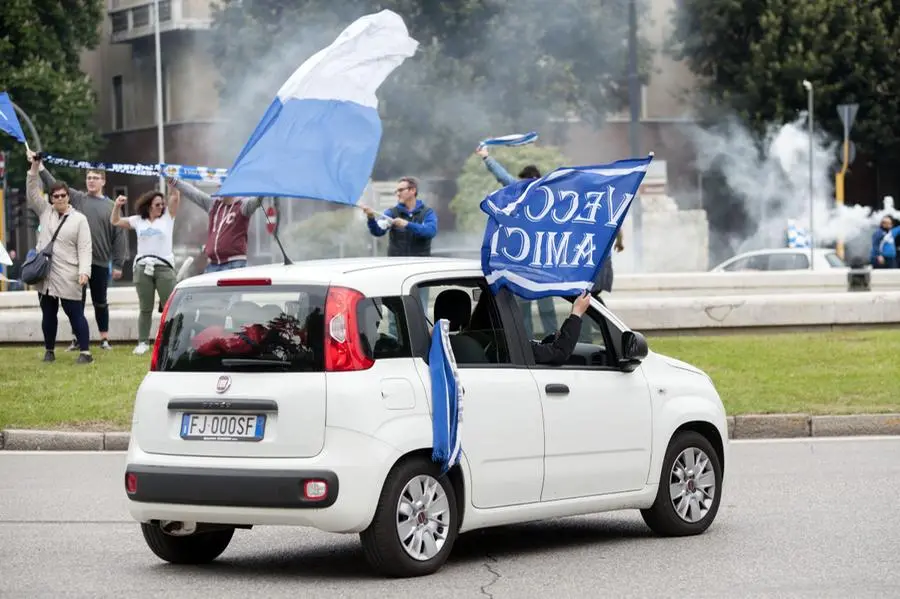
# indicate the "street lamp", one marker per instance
pixel 809 94
pixel 159 96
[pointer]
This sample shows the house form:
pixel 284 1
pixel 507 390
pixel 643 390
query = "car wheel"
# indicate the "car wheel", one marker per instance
pixel 199 548
pixel 690 487
pixel 416 521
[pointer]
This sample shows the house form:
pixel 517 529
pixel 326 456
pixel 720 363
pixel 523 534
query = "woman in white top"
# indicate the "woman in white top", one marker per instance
pixel 154 265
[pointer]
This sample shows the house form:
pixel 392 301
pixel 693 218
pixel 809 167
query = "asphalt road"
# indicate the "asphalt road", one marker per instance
pixel 808 518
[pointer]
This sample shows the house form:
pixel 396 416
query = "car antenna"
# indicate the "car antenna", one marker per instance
pixel 287 261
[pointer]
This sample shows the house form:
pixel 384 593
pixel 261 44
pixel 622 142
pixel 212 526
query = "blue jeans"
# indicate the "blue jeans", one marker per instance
pixel 232 265
pixel 546 311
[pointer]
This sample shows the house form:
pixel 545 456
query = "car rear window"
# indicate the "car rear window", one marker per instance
pixel 245 329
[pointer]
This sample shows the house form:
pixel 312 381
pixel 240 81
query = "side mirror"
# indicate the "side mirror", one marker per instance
pixel 634 350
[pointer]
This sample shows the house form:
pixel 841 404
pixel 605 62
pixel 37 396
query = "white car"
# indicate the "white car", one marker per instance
pixel 782 259
pixel 299 395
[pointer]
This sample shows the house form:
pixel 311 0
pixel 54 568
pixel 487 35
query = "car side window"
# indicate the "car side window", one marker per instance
pixel 757 262
pixel 476 331
pixel 382 328
pixel 542 319
pixel 788 261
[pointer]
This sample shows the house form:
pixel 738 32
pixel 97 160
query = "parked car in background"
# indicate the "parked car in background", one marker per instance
pixel 824 259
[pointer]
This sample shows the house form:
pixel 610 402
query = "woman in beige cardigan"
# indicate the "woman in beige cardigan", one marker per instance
pixel 70 267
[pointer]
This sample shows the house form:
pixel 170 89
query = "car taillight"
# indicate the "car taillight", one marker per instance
pixel 343 346
pixel 154 357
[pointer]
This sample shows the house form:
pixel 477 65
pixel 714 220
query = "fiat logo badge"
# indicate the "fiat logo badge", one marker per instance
pixel 223 384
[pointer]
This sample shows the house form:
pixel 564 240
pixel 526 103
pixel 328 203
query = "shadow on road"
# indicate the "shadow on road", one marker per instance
pixel 344 558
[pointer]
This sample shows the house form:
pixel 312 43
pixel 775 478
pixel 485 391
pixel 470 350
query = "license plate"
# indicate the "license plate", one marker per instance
pixel 223 427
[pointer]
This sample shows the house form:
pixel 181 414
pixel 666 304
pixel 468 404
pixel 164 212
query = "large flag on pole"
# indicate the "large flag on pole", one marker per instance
pixel 550 236
pixel 9 122
pixel 320 136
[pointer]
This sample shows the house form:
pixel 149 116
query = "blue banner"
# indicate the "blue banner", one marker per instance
pixel 9 122
pixel 446 398
pixel 550 236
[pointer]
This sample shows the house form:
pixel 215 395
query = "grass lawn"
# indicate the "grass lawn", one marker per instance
pixel 818 373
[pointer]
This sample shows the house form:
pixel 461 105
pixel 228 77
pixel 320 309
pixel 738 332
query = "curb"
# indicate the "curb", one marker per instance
pixel 751 426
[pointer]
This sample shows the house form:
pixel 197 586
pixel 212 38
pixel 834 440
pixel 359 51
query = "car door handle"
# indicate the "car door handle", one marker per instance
pixel 556 389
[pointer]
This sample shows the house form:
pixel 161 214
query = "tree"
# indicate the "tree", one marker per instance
pixel 482 68
pixel 40 45
pixel 752 56
pixel 341 232
pixel 475 182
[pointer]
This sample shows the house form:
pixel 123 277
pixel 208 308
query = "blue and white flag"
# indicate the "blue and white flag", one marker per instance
pixel 516 139
pixel 320 136
pixel 797 237
pixel 550 236
pixel 9 122
pixel 446 398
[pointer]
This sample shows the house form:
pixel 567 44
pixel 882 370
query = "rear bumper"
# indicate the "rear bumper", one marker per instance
pixel 230 487
pixel 263 491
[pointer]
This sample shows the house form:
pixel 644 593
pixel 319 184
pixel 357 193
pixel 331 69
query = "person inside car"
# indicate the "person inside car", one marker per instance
pixel 555 349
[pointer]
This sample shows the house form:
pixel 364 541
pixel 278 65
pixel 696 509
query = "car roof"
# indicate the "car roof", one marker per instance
pixel 370 275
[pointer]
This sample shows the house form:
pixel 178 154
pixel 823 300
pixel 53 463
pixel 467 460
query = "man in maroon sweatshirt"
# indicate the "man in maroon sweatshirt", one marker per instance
pixel 229 222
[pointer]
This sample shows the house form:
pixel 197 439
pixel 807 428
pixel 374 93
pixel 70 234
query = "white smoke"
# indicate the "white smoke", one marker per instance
pixel 770 176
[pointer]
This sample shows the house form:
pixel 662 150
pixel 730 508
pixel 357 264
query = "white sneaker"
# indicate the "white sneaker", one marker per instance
pixel 141 349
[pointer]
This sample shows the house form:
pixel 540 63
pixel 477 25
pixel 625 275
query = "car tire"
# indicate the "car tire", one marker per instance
pixel 416 515
pixel 691 463
pixel 200 548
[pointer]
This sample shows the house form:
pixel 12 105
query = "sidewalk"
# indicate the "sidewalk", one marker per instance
pixel 767 426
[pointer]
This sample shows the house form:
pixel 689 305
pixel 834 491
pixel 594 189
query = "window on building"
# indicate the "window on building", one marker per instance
pixel 118 107
pixel 119 21
pixel 140 16
pixel 165 10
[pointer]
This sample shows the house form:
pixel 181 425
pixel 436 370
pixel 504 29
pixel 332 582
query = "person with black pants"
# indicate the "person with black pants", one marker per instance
pixel 110 244
pixel 66 230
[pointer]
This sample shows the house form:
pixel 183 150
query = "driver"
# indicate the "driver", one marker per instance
pixel 556 349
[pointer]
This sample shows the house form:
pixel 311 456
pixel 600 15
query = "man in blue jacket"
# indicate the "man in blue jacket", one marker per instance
pixel 410 225
pixel 884 240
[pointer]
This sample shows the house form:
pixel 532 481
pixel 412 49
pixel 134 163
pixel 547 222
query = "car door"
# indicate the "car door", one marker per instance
pixel 597 417
pixel 501 429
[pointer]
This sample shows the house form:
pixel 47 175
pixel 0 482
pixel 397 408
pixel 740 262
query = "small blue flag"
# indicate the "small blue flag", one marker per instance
pixel 320 136
pixel 446 398
pixel 516 139
pixel 9 122
pixel 551 236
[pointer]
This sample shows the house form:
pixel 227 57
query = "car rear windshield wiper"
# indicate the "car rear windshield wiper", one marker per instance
pixel 253 362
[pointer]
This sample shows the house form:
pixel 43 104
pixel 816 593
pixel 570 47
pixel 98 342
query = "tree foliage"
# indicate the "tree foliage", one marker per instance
pixel 752 56
pixel 475 181
pixel 339 233
pixel 482 68
pixel 40 45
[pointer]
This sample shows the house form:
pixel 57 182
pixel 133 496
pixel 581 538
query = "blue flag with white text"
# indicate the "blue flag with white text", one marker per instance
pixel 550 236
pixel 9 122
pixel 446 398
pixel 320 135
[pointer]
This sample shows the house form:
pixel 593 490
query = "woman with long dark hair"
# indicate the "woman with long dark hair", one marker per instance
pixel 154 265
pixel 70 265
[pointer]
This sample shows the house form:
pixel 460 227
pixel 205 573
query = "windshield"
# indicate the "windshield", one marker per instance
pixel 245 329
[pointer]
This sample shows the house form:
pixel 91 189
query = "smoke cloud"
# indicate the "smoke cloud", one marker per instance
pixel 766 180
